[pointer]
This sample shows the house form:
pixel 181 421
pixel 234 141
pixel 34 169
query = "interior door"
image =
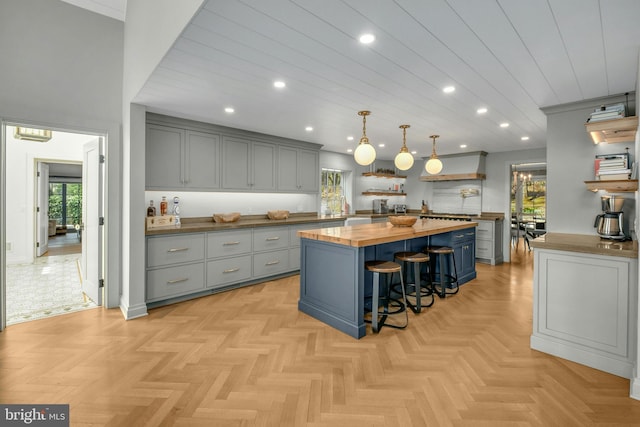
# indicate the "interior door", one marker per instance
pixel 91 230
pixel 42 214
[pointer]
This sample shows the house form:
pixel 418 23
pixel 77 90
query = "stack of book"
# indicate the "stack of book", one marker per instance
pixel 612 167
pixel 608 112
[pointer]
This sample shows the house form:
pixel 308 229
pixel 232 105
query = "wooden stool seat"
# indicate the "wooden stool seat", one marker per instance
pixel 439 250
pixel 411 256
pixel 390 306
pixel 382 266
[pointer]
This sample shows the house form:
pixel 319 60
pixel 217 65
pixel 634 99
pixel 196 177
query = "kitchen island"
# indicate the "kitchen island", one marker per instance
pixel 585 301
pixel 332 273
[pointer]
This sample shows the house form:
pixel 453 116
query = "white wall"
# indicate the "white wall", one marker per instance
pixel 61 66
pixel 151 28
pixel 21 192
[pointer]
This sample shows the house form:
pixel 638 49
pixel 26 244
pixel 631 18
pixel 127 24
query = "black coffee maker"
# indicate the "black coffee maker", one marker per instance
pixel 609 223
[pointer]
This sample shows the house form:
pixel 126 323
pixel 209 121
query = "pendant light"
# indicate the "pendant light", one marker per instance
pixel 433 165
pixel 365 154
pixel 404 159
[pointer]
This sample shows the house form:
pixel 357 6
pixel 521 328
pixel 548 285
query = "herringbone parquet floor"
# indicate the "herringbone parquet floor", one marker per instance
pixel 248 358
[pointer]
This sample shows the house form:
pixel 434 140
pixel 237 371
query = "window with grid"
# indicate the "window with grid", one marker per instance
pixel 332 191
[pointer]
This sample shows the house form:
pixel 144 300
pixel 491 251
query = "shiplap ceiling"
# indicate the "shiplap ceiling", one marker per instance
pixel 510 56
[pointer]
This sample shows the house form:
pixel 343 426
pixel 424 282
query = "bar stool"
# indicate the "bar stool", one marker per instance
pixel 419 291
pixel 445 275
pixel 390 306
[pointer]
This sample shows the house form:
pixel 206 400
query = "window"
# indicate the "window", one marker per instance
pixel 528 193
pixel 332 191
pixel 65 203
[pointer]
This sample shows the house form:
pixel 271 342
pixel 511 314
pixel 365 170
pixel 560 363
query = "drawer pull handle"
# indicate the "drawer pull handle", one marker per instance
pixel 273 262
pixel 458 236
pixel 230 243
pixel 178 249
pixel 231 270
pixel 174 281
pixel 470 234
pixel 268 239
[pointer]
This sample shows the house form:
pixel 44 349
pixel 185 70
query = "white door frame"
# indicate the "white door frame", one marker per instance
pixel 3 181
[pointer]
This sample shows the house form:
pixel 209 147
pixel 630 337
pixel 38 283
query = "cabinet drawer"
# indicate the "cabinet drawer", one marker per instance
pixel 169 250
pixel 173 281
pixel 268 263
pixel 270 238
pixel 463 235
pixel 484 226
pixel 228 243
pixel 484 248
pixel 229 270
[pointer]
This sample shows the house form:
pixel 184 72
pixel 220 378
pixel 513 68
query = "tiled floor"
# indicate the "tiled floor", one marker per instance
pixel 48 287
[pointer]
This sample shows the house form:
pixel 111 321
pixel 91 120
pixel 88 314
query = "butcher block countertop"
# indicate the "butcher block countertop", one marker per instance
pixel 373 234
pixel 586 243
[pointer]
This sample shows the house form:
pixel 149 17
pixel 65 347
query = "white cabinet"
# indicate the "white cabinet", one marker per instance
pixel 248 165
pixel 585 309
pixel 489 242
pixel 298 170
pixel 181 159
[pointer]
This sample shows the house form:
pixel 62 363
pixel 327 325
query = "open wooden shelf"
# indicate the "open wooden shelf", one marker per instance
pixel 382 175
pixel 616 130
pixel 454 177
pixel 383 193
pixel 614 186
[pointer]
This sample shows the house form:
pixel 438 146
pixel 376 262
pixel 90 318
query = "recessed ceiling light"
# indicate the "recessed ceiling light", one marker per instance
pixel 504 125
pixel 308 128
pixel 482 110
pixel 525 138
pixel 367 38
pixel 449 89
pixel 279 84
pixel 463 145
pixel 349 138
pixel 381 145
pixel 350 150
pixel 229 110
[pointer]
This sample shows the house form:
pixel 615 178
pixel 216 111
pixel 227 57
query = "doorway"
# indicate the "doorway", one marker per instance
pixel 527 204
pixel 46 261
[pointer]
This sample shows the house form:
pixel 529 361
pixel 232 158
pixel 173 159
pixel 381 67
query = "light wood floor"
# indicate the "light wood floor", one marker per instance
pixel 64 244
pixel 249 358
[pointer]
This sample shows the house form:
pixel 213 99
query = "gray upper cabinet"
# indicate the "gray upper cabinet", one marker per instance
pixel 181 159
pixel 248 165
pixel 298 169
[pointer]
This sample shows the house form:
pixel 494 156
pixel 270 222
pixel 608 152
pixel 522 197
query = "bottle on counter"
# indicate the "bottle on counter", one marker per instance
pixel 163 206
pixel 151 210
pixel 176 211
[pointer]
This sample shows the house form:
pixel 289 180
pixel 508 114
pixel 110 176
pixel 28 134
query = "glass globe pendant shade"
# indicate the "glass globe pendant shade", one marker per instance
pixel 403 161
pixel 433 166
pixel 365 154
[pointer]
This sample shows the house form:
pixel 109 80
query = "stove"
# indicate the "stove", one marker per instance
pixel 452 217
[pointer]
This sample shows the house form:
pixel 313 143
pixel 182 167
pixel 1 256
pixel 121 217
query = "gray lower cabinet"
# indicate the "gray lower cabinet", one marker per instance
pixel 175 266
pixel 180 266
pixel 179 159
pixel 248 165
pixel 489 242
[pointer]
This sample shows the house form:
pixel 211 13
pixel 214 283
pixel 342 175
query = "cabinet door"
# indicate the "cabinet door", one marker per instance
pixel 164 157
pixel 235 163
pixel 287 169
pixel 308 171
pixel 202 170
pixel 264 167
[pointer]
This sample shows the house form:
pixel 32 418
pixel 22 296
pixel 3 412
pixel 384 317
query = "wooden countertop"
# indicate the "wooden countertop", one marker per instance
pixel 373 234
pixel 196 225
pixel 586 243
